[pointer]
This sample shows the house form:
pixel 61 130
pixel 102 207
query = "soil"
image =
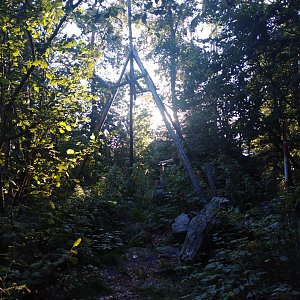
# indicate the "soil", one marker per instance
pixel 147 272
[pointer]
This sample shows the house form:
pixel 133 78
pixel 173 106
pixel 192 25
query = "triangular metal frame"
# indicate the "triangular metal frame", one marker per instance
pixel 131 58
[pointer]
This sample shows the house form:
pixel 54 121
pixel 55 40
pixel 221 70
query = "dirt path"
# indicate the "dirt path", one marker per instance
pixel 147 272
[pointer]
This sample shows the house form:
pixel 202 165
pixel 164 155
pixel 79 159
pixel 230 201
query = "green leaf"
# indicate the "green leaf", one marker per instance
pixel 36 63
pixel 4 81
pixel 70 151
pixel 52 204
pixel 15 53
pixel 43 64
pixel 68 128
pixel 76 243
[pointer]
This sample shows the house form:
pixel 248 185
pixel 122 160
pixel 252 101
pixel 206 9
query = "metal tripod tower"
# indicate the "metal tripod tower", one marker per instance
pixel 131 58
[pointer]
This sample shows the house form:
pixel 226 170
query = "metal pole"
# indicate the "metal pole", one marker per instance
pixel 132 90
pixel 110 102
pixel 172 133
pixel 129 24
pixel 101 121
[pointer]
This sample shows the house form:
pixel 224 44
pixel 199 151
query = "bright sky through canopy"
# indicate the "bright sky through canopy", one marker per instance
pixel 112 75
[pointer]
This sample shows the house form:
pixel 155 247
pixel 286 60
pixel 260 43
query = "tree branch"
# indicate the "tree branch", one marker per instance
pixel 68 10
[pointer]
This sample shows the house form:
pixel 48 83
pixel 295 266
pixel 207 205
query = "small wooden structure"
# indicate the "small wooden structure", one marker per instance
pixel 162 166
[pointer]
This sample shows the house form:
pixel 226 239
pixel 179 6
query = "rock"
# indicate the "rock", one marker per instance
pixel 181 224
pixel 168 251
pixel 199 227
pixel 140 238
pixel 138 253
pixel 158 195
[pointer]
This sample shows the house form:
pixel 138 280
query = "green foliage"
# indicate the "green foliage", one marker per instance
pixel 292 198
pixel 152 292
pixel 239 93
pixel 42 97
pixel 236 182
pixel 87 288
pixel 254 257
pixel 235 93
pixel 41 242
pixel 47 91
pixel 177 182
pixel 111 185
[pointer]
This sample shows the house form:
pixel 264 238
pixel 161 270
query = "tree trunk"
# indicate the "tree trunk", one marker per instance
pixel 2 199
pixel 173 75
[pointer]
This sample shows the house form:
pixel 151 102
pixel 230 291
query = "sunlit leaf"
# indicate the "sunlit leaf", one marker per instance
pixel 61 167
pixel 70 151
pixel 68 128
pixel 76 243
pixel 43 65
pixel 74 251
pixel 52 204
pixel 15 53
pixel 36 63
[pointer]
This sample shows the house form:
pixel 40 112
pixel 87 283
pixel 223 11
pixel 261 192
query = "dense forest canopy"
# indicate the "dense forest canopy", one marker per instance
pixel 234 100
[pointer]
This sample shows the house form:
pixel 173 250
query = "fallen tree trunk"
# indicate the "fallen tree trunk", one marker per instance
pixel 199 227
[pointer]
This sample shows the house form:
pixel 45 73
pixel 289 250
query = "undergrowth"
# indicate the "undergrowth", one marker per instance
pixel 43 246
pixel 255 255
pixel 56 251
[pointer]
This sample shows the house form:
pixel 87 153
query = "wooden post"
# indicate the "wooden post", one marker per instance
pixel 211 179
pixel 172 133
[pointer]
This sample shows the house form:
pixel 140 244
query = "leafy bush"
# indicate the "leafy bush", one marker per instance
pixel 255 257
pixel 234 181
pixel 41 242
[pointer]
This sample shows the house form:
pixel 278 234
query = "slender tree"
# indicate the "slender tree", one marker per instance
pixel 249 82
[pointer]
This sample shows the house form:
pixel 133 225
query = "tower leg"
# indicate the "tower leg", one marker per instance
pixel 171 131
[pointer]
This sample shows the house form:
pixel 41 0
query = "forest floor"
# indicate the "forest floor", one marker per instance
pixel 147 265
pixel 147 272
pixel 133 255
pixel 129 252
